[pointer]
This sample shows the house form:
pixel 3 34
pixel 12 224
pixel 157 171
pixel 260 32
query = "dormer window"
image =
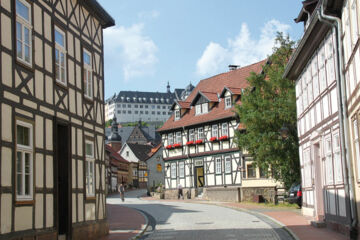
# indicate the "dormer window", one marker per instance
pixel 177 114
pixel 228 102
pixel 201 108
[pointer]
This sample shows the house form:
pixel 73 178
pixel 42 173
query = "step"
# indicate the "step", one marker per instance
pixel 318 224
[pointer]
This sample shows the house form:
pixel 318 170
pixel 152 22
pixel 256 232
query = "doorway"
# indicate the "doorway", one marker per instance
pixel 318 184
pixel 63 180
pixel 199 177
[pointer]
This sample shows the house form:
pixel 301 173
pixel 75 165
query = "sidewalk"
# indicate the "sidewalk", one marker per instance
pixel 124 222
pixel 292 219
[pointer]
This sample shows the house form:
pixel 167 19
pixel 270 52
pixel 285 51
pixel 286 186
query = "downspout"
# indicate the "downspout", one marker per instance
pixel 191 169
pixel 344 125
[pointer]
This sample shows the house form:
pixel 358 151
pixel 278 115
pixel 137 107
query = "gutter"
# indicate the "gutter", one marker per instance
pixel 335 22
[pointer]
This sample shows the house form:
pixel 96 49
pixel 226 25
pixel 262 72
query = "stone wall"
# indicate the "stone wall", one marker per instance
pixel 92 231
pixel 173 193
pixel 249 193
pixel 222 194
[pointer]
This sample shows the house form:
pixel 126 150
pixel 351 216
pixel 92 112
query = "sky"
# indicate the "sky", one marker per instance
pixel 185 41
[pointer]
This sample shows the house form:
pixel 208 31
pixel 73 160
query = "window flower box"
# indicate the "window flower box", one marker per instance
pixel 200 141
pixel 213 139
pixel 190 143
pixel 169 146
pixel 222 138
pixel 176 145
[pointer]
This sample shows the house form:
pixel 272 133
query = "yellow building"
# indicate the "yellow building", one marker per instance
pixel 52 119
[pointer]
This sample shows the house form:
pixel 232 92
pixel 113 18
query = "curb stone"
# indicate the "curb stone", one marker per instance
pixel 144 227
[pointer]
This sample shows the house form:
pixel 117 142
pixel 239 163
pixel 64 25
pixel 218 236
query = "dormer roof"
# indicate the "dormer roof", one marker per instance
pixel 232 90
pixel 181 104
pixel 209 96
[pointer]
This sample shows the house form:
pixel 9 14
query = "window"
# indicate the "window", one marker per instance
pixel 90 168
pixel 263 172
pixel 164 107
pixel 357 147
pixel 153 112
pixel 23 32
pixel 224 129
pixel 146 106
pixel 354 22
pixel 129 112
pixel 135 172
pixel 197 109
pixel 164 113
pixel 141 112
pixel 218 166
pixel 200 134
pixel 251 171
pixel 328 162
pixel 178 137
pixel 227 164
pixel 214 130
pixel 173 170
pixel 24 161
pixel 181 169
pixel 177 114
pixel 146 112
pixel 191 135
pixel 337 159
pixel 88 84
pixel 136 106
pixel 141 106
pixel 228 102
pixel 127 153
pixel 170 139
pixel 60 56
pixel 124 105
pixel 158 107
pixel 204 107
pixel 129 105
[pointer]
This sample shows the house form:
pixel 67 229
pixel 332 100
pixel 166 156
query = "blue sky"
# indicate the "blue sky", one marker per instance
pixel 185 41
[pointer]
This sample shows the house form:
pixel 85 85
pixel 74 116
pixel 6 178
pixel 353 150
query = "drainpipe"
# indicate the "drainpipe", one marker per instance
pixel 191 170
pixel 344 125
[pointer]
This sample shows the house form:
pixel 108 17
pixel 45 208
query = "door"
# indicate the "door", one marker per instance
pixel 63 180
pixel 199 176
pixel 318 184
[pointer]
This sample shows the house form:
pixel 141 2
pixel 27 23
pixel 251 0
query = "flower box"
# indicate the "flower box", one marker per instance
pixel 200 141
pixel 222 138
pixel 169 146
pixel 213 139
pixel 190 143
pixel 176 145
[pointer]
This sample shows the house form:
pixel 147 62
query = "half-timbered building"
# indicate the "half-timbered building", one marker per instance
pixel 52 183
pixel 199 148
pixel 317 65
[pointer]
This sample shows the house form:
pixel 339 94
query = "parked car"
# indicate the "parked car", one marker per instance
pixel 295 194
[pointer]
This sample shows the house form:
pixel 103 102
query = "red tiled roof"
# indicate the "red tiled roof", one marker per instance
pixel 182 104
pixel 154 150
pixel 233 79
pixel 114 154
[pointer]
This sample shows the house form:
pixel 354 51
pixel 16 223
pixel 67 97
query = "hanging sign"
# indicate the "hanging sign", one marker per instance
pixel 199 163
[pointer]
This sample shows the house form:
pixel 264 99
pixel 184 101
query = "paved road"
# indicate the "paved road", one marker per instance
pixel 180 220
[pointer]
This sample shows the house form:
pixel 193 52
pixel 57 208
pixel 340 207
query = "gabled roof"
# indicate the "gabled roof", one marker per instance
pixel 154 150
pixel 114 154
pixel 105 19
pixel 232 90
pixel 141 151
pixel 210 96
pixel 182 104
pixel 234 79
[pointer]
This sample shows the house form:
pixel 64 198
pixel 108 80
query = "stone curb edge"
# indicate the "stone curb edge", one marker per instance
pixel 144 227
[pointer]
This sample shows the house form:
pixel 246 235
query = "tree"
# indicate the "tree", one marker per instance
pixel 108 123
pixel 267 106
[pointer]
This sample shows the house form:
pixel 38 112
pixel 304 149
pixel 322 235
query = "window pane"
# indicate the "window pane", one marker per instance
pixel 27 184
pixel 22 135
pixel 27 163
pixel 27 54
pixel 22 10
pixel 89 149
pixel 59 38
pixel 19 49
pixel 18 31
pixel 62 74
pixel 19 173
pixel 26 36
pixel 19 184
pixel 86 58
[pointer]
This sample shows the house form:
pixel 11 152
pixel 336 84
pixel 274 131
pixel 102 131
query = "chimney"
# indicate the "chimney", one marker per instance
pixel 233 67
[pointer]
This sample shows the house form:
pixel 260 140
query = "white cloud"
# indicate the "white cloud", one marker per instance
pixel 241 50
pixel 149 14
pixel 130 51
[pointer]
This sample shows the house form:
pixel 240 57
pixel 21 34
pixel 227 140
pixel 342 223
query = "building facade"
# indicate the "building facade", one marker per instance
pixel 155 167
pixel 316 67
pixel 133 106
pixel 199 148
pixel 52 125
pixel 117 169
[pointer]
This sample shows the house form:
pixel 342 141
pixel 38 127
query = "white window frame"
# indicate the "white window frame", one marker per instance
pixel 90 170
pixel 228 103
pixel 354 22
pixel 88 71
pixel 218 167
pixel 181 169
pixel 178 137
pixel 191 135
pixel 25 24
pixel 215 130
pixel 23 149
pixel 173 170
pixel 170 139
pixel 200 133
pixel 61 50
pixel 357 147
pixel 338 174
pixel 177 114
pixel 197 109
pixel 328 161
pixel 205 108
pixel 227 164
pixel 224 129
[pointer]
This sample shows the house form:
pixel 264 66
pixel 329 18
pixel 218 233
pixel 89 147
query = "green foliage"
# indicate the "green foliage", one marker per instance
pixel 108 123
pixel 133 124
pixel 268 104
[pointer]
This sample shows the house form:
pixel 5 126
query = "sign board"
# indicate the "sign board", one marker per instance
pixel 199 163
pixel 159 167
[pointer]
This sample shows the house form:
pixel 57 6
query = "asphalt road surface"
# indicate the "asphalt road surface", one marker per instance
pixel 181 220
